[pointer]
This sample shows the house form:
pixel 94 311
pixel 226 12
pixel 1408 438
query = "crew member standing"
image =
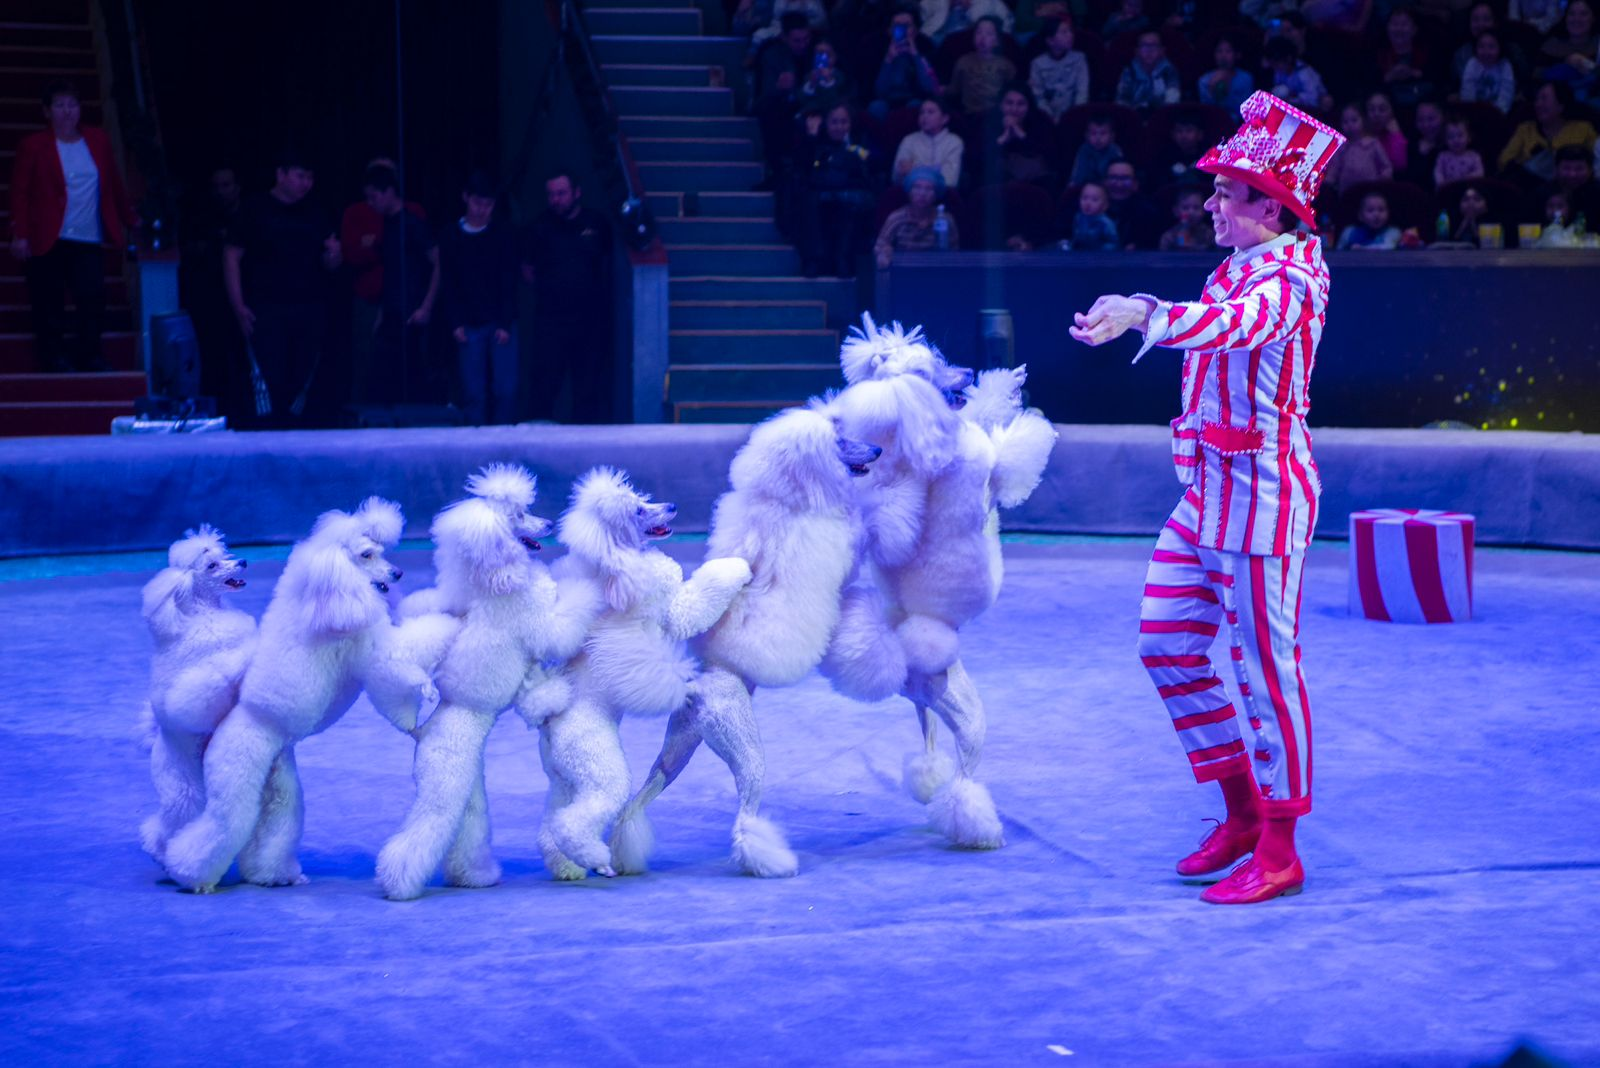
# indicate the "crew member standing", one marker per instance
pixel 1232 554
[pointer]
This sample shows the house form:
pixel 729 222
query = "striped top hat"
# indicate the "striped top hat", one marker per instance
pixel 1280 150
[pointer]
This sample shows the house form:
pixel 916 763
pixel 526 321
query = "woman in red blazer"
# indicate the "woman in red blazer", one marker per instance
pixel 67 202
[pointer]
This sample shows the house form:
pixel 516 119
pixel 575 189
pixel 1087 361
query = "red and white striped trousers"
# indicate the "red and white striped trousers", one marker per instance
pixel 1191 593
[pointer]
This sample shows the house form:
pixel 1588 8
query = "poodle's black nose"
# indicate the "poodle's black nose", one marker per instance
pixel 242 563
pixel 877 451
pixel 671 509
pixel 395 574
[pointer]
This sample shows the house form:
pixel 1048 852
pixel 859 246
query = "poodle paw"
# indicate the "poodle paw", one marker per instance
pixel 152 839
pixel 760 849
pixel 481 873
pixel 203 888
pixel 927 773
pixel 563 870
pixel 632 843
pixel 296 878
pixel 965 814
pixel 606 870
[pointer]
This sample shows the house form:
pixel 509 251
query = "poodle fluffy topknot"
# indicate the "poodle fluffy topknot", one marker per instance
pixel 325 635
pixel 517 623
pixel 201 650
pixel 633 662
pixel 790 515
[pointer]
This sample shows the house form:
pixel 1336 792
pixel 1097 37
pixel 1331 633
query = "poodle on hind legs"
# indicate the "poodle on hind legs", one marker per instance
pixel 960 806
pixel 582 756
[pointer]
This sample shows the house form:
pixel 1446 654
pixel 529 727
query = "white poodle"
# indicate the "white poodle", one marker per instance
pixel 325 635
pixel 634 662
pixel 789 513
pixel 900 627
pixel 202 649
pixel 517 623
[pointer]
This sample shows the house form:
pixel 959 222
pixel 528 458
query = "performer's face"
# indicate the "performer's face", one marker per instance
pixel 1240 222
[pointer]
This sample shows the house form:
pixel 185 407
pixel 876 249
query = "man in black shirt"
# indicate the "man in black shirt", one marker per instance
pixel 401 369
pixel 275 267
pixel 477 261
pixel 567 258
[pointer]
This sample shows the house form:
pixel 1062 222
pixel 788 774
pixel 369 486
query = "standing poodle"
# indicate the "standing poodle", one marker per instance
pixel 516 623
pixel 202 649
pixel 634 662
pixel 790 514
pixel 325 635
pixel 934 567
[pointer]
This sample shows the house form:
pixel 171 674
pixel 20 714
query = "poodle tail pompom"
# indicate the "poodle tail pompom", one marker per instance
pixel 632 843
pixel 931 645
pixel 965 814
pixel 926 773
pixel 760 849
pixel 381 520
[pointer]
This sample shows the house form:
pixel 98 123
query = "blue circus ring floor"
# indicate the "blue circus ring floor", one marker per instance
pixel 1454 860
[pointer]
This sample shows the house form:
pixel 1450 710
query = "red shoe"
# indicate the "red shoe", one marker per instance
pixel 1227 842
pixel 1250 883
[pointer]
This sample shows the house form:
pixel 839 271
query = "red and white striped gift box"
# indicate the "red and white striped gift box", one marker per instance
pixel 1411 565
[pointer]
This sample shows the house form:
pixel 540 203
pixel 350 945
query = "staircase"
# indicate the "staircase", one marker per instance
pixel 747 334
pixel 52 42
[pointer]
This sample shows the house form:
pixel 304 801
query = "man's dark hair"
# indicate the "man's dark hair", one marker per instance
pixel 1286 218
pixel 914 10
pixel 1568 153
pixel 59 88
pixel 381 178
pixel 1049 26
pixel 1278 49
pixel 479 184
pixel 562 173
pixel 289 157
pixel 940 103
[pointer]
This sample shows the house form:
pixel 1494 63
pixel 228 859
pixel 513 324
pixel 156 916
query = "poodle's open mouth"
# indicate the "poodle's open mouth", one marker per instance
pixel 530 544
pixel 381 587
pixel 659 531
pixel 956 399
pixel 858 470
pixel 233 583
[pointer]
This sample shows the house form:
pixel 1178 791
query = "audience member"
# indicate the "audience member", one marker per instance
pixel 906 74
pixel 1343 16
pixel 813 11
pixel 1193 231
pixel 478 304
pixel 276 267
pixel 941 18
pixel 1362 159
pixel 1150 80
pixel 1265 13
pixel 202 293
pixel 1225 85
pixel 910 228
pixel 1372 229
pixel 1386 128
pixel 836 196
pixel 781 68
pixel 1488 76
pixel 1129 17
pixel 1175 161
pixel 1481 19
pixel 67 203
pixel 567 259
pixel 402 369
pixel 1542 15
pixel 1457 161
pixel 1471 211
pixel 981 75
pixel 1093 229
pixel 1529 157
pixel 1405 63
pixel 1059 76
pixel 1033 14
pixel 1097 153
pixel 1138 219
pixel 1293 79
pixel 1428 122
pixel 1575 179
pixel 932 145
pixel 361 240
pixel 1574 45
pixel 1017 143
pixel 825 84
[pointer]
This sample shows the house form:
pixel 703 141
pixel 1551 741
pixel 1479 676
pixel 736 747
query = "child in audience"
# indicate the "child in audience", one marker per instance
pixel 1371 229
pixel 982 74
pixel 1097 153
pixel 1457 160
pixel 1292 79
pixel 1092 229
pixel 1362 159
pixel 1059 77
pixel 1488 75
pixel 1193 232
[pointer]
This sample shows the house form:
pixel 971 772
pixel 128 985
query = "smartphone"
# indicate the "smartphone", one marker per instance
pixel 899 32
pixel 821 61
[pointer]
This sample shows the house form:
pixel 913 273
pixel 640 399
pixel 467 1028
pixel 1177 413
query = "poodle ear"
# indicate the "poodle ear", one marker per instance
pixel 381 520
pixel 928 428
pixel 336 598
pixel 481 540
pixel 172 587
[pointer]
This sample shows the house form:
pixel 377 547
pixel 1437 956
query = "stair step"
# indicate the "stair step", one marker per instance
pixel 839 295
pixel 721 203
pixel 22 108
pixel 633 47
pixel 809 348
pixel 689 126
pixel 747 315
pixel 693 149
pixel 14 288
pixel 657 74
pixel 681 100
pixel 644 21
pixel 739 260
pixel 707 230
pixel 76 417
pixel 118 386
pixel 726 411
pixel 770 382
pixel 120 350
pixel 21 81
pixel 18 318
pixel 17 56
pixel 46 35
pixel 699 177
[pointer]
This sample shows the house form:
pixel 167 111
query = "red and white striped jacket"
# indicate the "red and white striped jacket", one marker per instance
pixel 1241 444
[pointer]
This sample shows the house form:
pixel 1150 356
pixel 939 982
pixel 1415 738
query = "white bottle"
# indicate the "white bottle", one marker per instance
pixel 941 229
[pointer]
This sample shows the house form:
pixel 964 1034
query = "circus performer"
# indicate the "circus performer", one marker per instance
pixel 1232 554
